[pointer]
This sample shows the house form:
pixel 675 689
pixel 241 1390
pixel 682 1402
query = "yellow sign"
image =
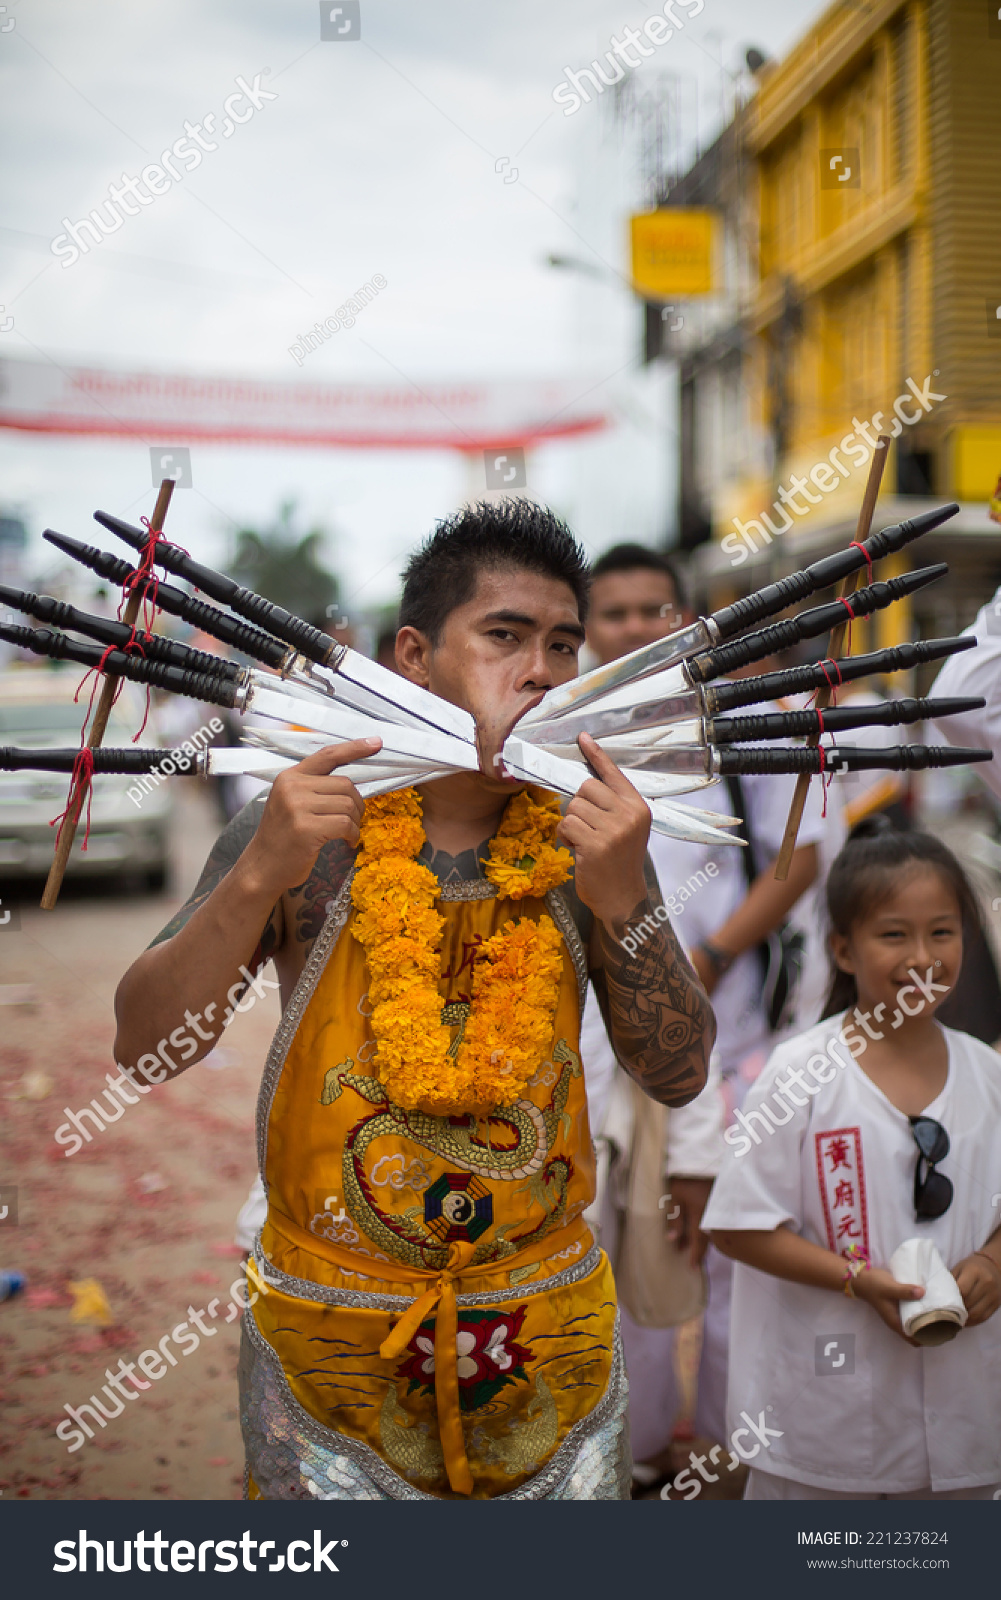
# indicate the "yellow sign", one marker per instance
pixel 672 252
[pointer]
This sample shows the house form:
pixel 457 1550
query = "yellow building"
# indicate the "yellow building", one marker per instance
pixel 874 151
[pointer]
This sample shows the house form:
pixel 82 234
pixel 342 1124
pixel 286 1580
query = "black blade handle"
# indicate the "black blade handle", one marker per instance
pixel 808 625
pixel 242 636
pixel 309 641
pixel 776 597
pixel 800 724
pixel 107 760
pixel 215 691
pixel 44 608
pixel 732 761
pixel 821 674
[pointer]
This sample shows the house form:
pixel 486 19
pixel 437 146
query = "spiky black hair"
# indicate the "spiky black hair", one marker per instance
pixel 490 534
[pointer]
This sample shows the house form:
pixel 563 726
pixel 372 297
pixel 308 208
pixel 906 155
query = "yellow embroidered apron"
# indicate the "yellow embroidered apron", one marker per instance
pixel 429 1286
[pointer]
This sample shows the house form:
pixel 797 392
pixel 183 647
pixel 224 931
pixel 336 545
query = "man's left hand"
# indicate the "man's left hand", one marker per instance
pixel 607 825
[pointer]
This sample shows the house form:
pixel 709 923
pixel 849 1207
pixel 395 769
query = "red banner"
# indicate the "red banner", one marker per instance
pixel 39 397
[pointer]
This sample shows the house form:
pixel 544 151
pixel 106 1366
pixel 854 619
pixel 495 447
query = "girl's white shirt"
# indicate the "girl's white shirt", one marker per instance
pixel 856 1408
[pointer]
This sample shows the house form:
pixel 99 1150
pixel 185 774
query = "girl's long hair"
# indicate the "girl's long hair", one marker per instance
pixel 865 873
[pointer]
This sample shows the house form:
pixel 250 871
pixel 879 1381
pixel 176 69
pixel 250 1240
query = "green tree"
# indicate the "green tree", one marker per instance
pixel 282 564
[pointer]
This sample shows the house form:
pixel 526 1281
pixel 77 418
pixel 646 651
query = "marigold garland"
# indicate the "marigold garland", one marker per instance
pixel 515 986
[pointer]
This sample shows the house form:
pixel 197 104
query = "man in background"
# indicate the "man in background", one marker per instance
pixel 637 596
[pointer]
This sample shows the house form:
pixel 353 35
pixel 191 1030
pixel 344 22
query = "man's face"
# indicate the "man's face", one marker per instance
pixel 499 653
pixel 630 609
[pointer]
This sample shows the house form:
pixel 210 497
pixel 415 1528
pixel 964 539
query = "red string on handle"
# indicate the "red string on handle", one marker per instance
pixel 95 673
pixel 833 687
pixel 144 571
pixel 82 776
pixel 855 545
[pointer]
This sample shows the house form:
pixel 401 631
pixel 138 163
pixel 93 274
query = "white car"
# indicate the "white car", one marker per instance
pixel 37 711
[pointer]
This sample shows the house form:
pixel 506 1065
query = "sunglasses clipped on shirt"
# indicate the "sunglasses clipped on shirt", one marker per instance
pixel 933 1191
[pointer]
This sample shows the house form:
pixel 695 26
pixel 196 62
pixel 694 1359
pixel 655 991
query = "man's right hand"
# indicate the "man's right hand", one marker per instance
pixel 308 806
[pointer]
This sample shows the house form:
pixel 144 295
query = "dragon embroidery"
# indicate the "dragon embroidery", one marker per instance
pixel 459 1141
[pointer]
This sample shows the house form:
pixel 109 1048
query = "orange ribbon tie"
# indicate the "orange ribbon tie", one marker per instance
pixel 446 1370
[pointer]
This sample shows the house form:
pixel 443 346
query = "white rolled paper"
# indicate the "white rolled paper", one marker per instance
pixel 940 1313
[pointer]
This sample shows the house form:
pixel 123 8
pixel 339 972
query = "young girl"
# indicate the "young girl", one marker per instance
pixel 874 1127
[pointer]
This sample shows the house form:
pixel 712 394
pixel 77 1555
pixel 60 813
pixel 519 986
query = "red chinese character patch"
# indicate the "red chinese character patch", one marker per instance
pixel 841 1176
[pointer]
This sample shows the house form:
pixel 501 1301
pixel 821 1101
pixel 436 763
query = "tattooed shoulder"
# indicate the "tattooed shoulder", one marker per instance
pixel 309 903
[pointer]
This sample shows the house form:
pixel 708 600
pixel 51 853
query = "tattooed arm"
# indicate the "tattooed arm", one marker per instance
pixel 234 921
pixel 658 1017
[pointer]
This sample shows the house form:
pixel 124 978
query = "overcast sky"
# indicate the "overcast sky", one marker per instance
pixel 377 156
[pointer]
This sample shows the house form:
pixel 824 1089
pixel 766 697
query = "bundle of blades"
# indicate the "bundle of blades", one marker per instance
pixel 658 712
pixel 663 729
pixel 322 685
pixel 726 624
pixel 327 692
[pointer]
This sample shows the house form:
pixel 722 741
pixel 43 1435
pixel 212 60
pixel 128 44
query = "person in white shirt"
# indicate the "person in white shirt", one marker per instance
pixel 874 1128
pixel 976 672
pixel 636 597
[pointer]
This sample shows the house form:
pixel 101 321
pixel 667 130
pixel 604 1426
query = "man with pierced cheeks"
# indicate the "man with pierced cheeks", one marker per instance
pixel 431 1316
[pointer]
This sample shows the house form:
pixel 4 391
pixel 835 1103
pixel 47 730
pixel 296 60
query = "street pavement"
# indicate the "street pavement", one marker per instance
pixel 147 1208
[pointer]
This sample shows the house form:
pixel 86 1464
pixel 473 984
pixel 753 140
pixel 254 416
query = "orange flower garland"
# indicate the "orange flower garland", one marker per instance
pixel 515 987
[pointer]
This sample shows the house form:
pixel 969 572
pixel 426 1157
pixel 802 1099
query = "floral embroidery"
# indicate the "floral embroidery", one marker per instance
pixel 488 1356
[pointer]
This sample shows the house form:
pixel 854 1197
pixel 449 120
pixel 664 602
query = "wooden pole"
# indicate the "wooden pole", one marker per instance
pixel 834 650
pixel 78 797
